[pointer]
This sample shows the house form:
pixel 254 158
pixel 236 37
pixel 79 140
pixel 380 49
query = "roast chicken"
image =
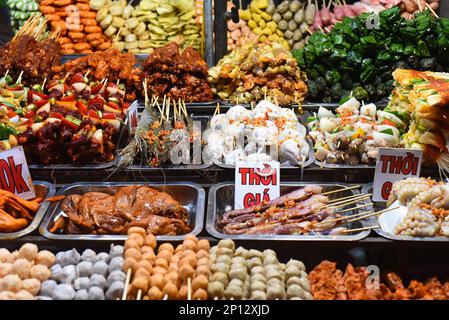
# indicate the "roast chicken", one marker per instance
pixel 103 213
pixel 16 213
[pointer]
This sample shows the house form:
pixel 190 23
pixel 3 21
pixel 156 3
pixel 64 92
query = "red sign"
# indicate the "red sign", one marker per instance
pixel 14 173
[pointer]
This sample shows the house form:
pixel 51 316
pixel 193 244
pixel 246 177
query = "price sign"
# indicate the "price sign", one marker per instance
pixel 256 182
pixel 132 117
pixel 393 165
pixel 14 173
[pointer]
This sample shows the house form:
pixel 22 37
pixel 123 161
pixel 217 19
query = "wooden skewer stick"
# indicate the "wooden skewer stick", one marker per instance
pixel 139 294
pixel 215 298
pixel 6 73
pixel 348 201
pixel 19 79
pixel 185 109
pixel 189 289
pixel 360 229
pixel 431 10
pixel 165 297
pixel 342 218
pixel 419 5
pixel 367 215
pixel 345 198
pixel 87 73
pixel 128 279
pixel 355 208
pixel 43 83
pixel 338 190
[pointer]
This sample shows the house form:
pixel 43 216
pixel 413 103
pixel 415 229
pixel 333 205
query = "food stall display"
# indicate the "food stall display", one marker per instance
pixel 21 11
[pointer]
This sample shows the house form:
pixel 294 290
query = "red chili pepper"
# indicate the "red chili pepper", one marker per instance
pixel 82 107
pixel 56 115
pixel 29 121
pixel 96 88
pixel 68 98
pixel 40 103
pixel 77 78
pixel 113 105
pixel 11 114
pixel 109 115
pixel 30 114
pixel 97 100
pixel 93 114
pixel 70 124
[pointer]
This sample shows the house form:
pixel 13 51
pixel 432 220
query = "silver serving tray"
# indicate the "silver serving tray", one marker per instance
pixel 190 195
pixel 44 190
pixel 89 166
pixel 343 166
pixel 310 160
pixel 368 188
pixel 221 199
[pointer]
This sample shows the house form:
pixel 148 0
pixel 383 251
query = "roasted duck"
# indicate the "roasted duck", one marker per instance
pixel 104 213
pixel 15 212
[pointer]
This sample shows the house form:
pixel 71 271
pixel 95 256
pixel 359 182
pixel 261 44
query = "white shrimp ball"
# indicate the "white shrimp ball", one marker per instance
pixel 97 280
pixel 88 255
pixel 11 282
pixel 24 295
pixel 84 269
pixel 102 256
pixel 7 295
pixel 4 255
pixel 115 264
pixel 69 273
pixel 115 290
pixel 100 267
pixel 43 298
pixel 47 288
pixel 59 257
pixel 81 295
pixel 56 273
pixel 28 251
pixel 31 285
pixel 71 257
pixel 116 275
pixel 95 293
pixel 46 258
pixel 63 292
pixel 5 269
pixel 81 283
pixel 22 267
pixel 116 251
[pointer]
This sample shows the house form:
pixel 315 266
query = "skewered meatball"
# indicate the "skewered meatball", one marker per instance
pixel 268 252
pixel 159 270
pixel 149 256
pixel 170 290
pixel 164 254
pixel 31 285
pixel 95 293
pixel 131 244
pixel 204 270
pixel 258 285
pixel 133 253
pixel 88 255
pixel 189 245
pixel 220 267
pixel 292 271
pixel 186 271
pixel 199 294
pixel 81 283
pixel 275 292
pixel 233 292
pixel 116 263
pixel 167 246
pixel 47 288
pixel 202 254
pixel 22 267
pixel 191 237
pixel 81 295
pixel 238 273
pixel 5 269
pixel 183 293
pixel 63 292
pixel 241 252
pixel 28 251
pixel 200 282
pixel 254 253
pixel 145 249
pixel 179 248
pixel 254 262
pixel 102 256
pixel 273 273
pixel 11 282
pixel 258 277
pixel 100 267
pixel 293 280
pixel 155 293
pixel 295 291
pixel 270 260
pixel 258 295
pixel 40 272
pixel 144 264
pixel 190 260
pixel 172 277
pixel 224 251
pixel 215 289
pixel 98 280
pixel 68 274
pixel 203 261
pixel 157 280
pixel 70 257
pixel 140 283
pixel 46 258
pixel 141 272
pixel 296 263
pixel 203 245
pixel 150 240
pixel 116 251
pixel 161 263
pixel 221 277
pixel 115 290
pixel 4 255
pixel 224 259
pixel 7 295
pixel 226 243
pixel 257 270
pixel 116 275
pixel 24 295
pixel 240 260
pixel 136 230
pixel 235 283
pixel 139 239
pixel 84 269
pixel 130 264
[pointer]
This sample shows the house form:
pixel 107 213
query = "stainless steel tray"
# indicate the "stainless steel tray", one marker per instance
pixel 310 160
pixel 221 199
pixel 377 206
pixel 89 166
pixel 343 166
pixel 190 195
pixel 43 190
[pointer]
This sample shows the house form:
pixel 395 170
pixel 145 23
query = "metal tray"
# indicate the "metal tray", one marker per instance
pixel 310 160
pixel 343 166
pixel 221 199
pixel 43 189
pixel 190 195
pixel 377 206
pixel 89 166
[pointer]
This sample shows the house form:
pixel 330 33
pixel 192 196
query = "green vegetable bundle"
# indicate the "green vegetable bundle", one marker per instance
pixel 356 57
pixel 20 11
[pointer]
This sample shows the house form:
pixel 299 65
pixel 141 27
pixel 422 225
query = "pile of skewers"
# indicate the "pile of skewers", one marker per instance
pixel 305 211
pixel 171 274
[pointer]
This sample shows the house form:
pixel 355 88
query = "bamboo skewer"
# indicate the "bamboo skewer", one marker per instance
pixel 139 295
pixel 431 10
pixel 348 201
pixel 355 208
pixel 125 289
pixel 360 229
pixel 189 289
pixel 338 190
pixel 19 79
pixel 373 213
pixel 345 198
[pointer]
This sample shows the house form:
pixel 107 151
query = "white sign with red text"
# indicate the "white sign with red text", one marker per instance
pixel 393 165
pixel 14 173
pixel 256 182
pixel 132 115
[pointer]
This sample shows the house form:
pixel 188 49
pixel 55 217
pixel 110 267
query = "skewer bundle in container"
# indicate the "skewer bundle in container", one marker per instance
pixel 75 22
pixel 20 11
pixel 259 18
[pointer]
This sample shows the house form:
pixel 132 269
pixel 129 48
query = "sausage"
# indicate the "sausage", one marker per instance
pixel 47 9
pixel 93 29
pixel 76 35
